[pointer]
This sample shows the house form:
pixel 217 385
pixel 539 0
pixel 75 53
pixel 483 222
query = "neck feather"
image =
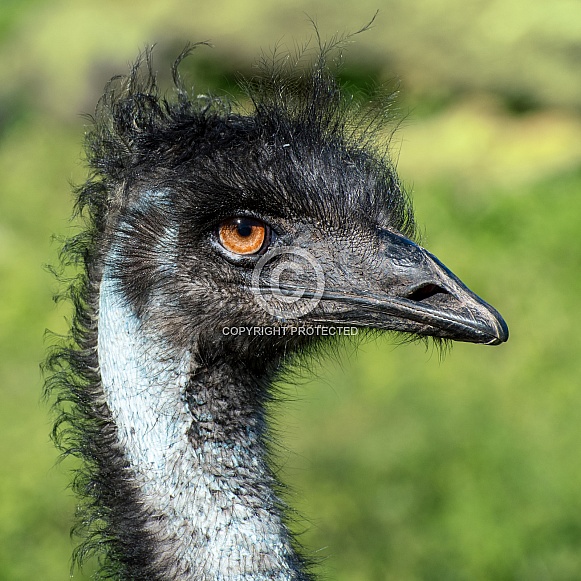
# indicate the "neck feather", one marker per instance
pixel 192 438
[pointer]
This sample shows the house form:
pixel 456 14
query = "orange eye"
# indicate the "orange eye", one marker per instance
pixel 242 235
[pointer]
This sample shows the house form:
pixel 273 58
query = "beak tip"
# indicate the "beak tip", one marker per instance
pixel 501 333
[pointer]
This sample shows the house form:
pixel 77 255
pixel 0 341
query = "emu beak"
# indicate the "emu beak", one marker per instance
pixel 410 290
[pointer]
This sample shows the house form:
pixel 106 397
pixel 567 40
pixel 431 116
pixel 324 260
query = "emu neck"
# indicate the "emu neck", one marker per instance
pixel 192 439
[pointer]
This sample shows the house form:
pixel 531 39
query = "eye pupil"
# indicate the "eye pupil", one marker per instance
pixel 244 228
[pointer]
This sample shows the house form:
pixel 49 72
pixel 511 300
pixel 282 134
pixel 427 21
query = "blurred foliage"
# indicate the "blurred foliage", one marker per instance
pixel 405 466
pixel 58 53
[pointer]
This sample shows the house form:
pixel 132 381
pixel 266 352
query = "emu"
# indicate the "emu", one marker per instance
pixel 222 243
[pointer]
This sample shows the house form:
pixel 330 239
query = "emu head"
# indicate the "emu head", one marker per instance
pixel 284 218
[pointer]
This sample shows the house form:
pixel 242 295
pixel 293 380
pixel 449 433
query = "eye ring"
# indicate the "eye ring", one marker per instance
pixel 243 235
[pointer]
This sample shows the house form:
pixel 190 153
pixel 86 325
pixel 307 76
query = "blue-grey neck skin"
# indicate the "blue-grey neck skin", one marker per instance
pixel 208 499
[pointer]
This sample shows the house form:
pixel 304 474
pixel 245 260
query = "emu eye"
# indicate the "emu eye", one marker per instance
pixel 243 235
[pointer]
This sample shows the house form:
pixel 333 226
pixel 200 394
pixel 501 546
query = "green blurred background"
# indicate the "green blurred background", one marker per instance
pixel 407 466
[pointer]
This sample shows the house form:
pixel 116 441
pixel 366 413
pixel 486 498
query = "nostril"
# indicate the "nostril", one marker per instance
pixel 426 291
